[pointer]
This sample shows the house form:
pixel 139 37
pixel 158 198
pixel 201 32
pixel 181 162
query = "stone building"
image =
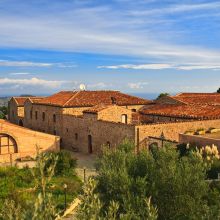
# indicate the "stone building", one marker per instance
pixel 16 109
pixel 86 120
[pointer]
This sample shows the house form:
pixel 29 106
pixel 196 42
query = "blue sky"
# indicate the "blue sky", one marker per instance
pixel 141 46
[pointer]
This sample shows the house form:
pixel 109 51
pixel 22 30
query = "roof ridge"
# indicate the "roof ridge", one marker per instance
pixel 71 98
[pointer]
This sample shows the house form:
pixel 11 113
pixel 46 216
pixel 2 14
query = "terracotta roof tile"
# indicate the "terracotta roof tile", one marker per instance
pixel 185 111
pixel 198 98
pixel 91 98
pixel 21 100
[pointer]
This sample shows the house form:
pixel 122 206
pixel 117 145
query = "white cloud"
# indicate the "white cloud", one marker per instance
pixel 31 82
pixel 178 8
pixel 138 67
pixel 8 63
pixel 104 29
pixel 163 66
pixel 137 85
pixel 19 73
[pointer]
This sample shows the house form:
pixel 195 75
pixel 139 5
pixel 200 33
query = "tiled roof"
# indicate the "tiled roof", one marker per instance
pixel 91 98
pixel 184 111
pixel 198 98
pixel 21 100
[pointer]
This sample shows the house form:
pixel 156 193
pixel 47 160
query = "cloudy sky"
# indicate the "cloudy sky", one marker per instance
pixel 141 46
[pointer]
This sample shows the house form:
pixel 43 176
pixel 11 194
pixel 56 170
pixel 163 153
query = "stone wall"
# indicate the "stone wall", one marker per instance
pixel 12 111
pixel 49 118
pixel 172 130
pixel 76 131
pixel 198 140
pixel 74 111
pixel 27 140
pixel 114 114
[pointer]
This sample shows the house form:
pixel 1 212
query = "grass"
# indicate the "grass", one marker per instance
pixel 18 185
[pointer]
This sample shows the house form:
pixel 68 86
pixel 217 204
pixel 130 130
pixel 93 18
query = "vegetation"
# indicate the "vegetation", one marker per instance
pixel 172 186
pixel 162 95
pixel 3 112
pixel 165 183
pixel 37 193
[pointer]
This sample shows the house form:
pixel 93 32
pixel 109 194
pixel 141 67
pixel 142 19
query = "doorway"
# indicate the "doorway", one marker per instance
pixel 90 150
pixel 20 123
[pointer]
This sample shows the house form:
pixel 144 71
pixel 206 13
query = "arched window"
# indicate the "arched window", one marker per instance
pixel 8 144
pixel 31 112
pixel 124 119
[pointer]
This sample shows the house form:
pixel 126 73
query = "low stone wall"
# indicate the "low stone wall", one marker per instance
pixel 172 130
pixel 198 140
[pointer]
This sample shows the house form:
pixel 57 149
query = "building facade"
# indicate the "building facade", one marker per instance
pixel 86 120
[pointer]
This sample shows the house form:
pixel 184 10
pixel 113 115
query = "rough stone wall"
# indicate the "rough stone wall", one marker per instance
pixel 47 125
pixel 27 140
pixel 76 131
pixel 13 111
pixel 114 114
pixel 172 130
pixel 79 110
pixel 198 140
pixel 74 111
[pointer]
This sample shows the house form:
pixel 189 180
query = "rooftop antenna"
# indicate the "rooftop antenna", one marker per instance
pixel 82 87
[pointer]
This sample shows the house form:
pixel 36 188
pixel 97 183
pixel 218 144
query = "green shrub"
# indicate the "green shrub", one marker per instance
pixel 65 163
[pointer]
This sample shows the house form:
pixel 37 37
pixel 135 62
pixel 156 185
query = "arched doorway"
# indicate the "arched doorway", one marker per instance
pixel 8 145
pixel 153 146
pixel 20 123
pixel 90 150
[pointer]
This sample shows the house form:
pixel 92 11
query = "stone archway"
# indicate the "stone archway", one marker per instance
pixel 8 144
pixel 153 146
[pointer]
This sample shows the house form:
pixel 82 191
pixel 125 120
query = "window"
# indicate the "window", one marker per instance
pixel 76 136
pixel 133 110
pixel 67 130
pixel 54 118
pixel 31 114
pixel 43 116
pixel 54 132
pixel 124 119
pixel 36 115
